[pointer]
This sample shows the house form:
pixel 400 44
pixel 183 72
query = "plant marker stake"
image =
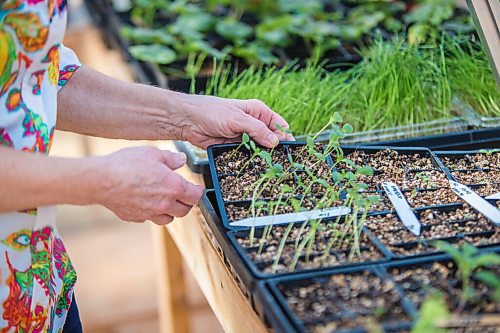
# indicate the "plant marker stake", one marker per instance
pixel 403 210
pixel 495 196
pixel 478 203
pixel 291 217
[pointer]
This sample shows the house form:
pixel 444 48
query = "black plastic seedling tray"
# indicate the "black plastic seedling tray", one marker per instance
pixel 252 270
pixel 229 255
pixel 465 140
pixel 245 271
pixel 283 319
pixel 285 316
pixel 487 234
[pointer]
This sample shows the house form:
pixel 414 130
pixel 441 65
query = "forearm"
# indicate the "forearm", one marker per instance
pixel 33 180
pixel 94 104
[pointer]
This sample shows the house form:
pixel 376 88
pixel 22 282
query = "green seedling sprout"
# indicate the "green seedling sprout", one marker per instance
pixel 492 280
pixel 468 262
pixel 285 190
pixel 432 310
pixel 274 172
pixel 245 139
pixel 489 152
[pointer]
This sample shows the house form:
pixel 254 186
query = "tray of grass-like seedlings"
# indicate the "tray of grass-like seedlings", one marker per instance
pixel 412 110
pixel 457 291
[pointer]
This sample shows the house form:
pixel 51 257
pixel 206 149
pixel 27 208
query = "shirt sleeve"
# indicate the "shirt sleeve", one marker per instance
pixel 68 64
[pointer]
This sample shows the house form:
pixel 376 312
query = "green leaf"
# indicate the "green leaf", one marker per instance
pixel 255 53
pixel 337 118
pixel 365 170
pixel 277 168
pixel 392 24
pixel 432 310
pixel 245 138
pixel 487 259
pixel 347 128
pixel 200 46
pixel 233 30
pixel 489 278
pixel 266 156
pixel 199 22
pixel 147 36
pixel 417 34
pixel 275 31
pixel 298 166
pixel 253 146
pixel 155 53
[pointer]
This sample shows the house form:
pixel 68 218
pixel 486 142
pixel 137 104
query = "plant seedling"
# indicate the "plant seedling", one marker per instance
pixel 245 139
pixel 468 262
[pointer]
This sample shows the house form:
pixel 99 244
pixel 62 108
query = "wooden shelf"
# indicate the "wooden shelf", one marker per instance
pixel 193 239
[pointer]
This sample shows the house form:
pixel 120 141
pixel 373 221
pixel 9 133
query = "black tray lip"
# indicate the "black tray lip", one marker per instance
pixel 215 224
pixel 380 270
pixel 274 313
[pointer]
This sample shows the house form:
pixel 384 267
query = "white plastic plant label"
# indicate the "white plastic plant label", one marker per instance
pixel 291 217
pixel 403 210
pixel 494 196
pixel 478 203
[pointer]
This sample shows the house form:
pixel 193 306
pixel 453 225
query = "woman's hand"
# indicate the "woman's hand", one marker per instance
pixel 209 120
pixel 139 184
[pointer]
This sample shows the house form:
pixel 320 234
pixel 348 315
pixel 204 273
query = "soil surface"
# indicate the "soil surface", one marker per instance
pixel 442 196
pixel 473 177
pixel 344 301
pixel 472 161
pixel 265 250
pixel 436 224
pixel 419 281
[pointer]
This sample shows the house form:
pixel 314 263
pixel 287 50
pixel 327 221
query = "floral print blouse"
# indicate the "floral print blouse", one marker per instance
pixel 36 275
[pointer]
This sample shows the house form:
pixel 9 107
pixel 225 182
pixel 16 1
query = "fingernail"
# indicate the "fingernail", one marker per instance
pixel 272 139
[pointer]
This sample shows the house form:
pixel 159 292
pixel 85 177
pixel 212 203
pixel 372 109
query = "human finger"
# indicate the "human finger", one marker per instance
pixel 162 219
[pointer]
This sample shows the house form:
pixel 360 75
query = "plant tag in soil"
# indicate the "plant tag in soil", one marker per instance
pixel 478 203
pixel 291 217
pixel 494 196
pixel 403 210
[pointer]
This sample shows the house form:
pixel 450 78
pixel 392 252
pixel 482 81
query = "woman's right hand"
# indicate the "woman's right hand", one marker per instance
pixel 140 184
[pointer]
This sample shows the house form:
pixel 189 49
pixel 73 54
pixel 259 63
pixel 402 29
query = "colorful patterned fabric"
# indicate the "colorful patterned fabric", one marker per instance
pixel 36 275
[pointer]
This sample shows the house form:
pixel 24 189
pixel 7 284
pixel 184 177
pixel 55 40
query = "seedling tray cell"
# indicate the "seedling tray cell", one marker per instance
pixel 410 168
pixel 469 160
pixel 417 279
pixel 452 223
pixel 324 302
pixel 260 259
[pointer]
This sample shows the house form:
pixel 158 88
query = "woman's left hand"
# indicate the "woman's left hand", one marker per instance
pixel 209 120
